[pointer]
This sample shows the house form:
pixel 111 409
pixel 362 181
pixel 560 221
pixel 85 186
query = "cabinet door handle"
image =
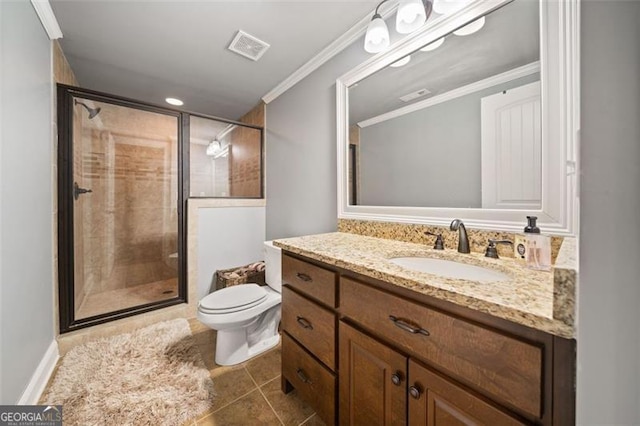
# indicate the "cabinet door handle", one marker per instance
pixel 408 327
pixel 303 277
pixel 415 392
pixel 303 376
pixel 396 378
pixel 304 323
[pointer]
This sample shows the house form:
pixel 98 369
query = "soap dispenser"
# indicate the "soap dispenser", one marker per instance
pixel 531 248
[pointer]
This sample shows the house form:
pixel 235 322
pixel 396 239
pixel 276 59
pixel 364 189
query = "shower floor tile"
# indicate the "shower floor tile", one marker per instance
pixel 122 298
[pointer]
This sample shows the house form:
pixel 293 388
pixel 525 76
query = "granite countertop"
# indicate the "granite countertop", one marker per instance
pixel 529 297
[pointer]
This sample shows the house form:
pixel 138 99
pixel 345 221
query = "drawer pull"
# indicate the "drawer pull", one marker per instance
pixel 304 323
pixel 396 378
pixel 303 376
pixel 303 277
pixel 415 392
pixel 408 327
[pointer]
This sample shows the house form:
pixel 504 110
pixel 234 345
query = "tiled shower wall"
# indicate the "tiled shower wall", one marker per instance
pixel 244 158
pixel 130 218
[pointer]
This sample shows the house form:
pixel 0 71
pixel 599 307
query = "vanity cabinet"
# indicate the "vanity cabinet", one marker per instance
pixel 381 386
pixel 502 366
pixel 373 381
pixel 309 334
pixel 382 354
pixel 435 401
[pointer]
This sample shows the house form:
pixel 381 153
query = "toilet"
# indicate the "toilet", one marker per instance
pixel 246 316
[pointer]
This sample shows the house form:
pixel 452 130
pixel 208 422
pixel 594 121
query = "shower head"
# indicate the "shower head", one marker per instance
pixel 92 111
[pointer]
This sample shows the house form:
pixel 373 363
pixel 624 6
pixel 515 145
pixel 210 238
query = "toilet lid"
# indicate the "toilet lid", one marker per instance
pixel 232 299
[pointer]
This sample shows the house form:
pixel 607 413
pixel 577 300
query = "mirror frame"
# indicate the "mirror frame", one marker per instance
pixel 559 75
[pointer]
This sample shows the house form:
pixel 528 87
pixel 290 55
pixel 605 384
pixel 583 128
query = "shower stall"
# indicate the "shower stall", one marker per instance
pixel 121 227
pixel 125 171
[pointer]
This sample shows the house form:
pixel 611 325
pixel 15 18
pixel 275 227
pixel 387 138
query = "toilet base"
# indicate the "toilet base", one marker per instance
pixel 232 347
pixel 237 345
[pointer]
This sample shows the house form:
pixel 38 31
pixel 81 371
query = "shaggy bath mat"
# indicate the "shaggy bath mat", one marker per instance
pixel 153 376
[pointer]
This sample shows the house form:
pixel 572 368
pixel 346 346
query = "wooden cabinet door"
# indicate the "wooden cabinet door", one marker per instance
pixel 435 401
pixel 373 381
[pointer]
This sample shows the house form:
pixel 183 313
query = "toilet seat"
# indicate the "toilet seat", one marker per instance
pixel 233 299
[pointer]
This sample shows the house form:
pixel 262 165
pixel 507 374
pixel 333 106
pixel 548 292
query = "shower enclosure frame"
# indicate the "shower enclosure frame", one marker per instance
pixel 65 95
pixel 66 279
pixel 186 144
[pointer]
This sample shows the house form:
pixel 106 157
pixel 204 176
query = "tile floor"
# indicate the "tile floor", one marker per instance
pixel 249 393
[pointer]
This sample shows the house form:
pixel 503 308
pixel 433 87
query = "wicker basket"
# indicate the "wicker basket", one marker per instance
pixel 252 273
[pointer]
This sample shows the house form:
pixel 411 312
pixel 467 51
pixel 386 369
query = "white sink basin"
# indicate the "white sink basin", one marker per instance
pixel 450 269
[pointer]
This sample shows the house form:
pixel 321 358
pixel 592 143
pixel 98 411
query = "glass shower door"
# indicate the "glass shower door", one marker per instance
pixel 124 192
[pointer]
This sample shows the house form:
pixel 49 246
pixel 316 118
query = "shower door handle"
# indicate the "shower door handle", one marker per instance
pixel 77 191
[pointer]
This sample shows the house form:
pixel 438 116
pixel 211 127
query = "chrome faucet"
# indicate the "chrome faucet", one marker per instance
pixel 463 238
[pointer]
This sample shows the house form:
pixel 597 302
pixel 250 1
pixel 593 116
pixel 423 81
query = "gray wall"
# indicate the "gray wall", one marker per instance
pixel 301 173
pixel 609 292
pixel 26 311
pixel 428 158
pixel 301 151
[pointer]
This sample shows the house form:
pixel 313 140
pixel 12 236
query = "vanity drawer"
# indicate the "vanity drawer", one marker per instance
pixel 317 282
pixel 315 384
pixel 502 366
pixel 311 325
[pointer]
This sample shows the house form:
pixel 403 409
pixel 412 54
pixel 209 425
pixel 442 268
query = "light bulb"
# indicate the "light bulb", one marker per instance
pixel 433 46
pixel 401 62
pixel 470 28
pixel 445 7
pixel 411 15
pixel 174 101
pixel 377 37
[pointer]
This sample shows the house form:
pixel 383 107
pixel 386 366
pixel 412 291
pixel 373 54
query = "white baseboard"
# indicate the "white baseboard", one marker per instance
pixel 41 376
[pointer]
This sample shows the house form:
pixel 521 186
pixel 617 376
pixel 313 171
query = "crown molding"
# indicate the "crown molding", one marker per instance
pixel 494 80
pixel 48 19
pixel 337 46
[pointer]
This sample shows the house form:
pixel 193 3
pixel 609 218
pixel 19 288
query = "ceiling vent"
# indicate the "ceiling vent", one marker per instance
pixel 248 46
pixel 414 95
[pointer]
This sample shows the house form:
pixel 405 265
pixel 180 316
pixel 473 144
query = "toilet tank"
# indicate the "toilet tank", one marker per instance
pixel 273 266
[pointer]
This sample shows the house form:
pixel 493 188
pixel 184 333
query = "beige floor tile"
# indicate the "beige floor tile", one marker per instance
pixel 205 337
pixel 207 352
pixel 314 421
pixel 229 384
pixel 197 326
pixel 251 410
pixel 266 367
pixel 291 409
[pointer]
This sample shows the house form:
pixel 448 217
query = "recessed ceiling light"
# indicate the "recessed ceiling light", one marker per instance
pixel 174 101
pixel 470 28
pixel 433 46
pixel 401 62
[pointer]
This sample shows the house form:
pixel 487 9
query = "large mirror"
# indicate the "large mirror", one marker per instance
pixel 470 118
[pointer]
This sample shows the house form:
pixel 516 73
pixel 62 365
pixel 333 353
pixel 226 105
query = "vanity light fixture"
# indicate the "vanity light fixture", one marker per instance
pixel 400 62
pixel 433 46
pixel 470 28
pixel 411 15
pixel 377 36
pixel 174 101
